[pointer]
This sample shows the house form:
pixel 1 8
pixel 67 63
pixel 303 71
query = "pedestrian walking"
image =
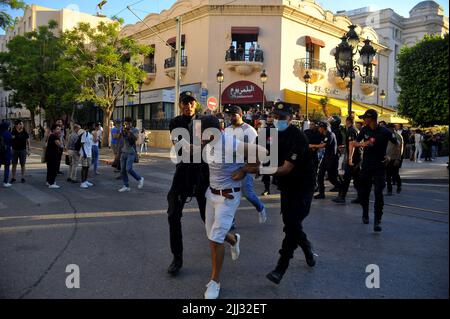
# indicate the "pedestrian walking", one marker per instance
pixel 143 141
pixel 99 130
pixel 373 165
pixel 20 150
pixel 52 155
pixel 5 151
pixel 74 147
pixel 190 180
pixel 116 144
pixel 329 160
pixel 62 136
pixel 351 172
pixel 246 134
pixel 296 183
pixel 418 140
pixel 129 155
pixel 96 133
pixel 86 156
pixel 395 153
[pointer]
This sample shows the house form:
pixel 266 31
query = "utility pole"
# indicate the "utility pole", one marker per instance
pixel 178 58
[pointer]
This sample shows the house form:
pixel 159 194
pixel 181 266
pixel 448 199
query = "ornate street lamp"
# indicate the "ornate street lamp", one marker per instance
pixel 345 63
pixel 220 79
pixel 307 79
pixel 382 97
pixel 263 77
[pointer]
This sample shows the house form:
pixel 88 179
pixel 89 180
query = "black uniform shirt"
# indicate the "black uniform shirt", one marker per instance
pixel 331 145
pixel 293 146
pixel 374 154
pixel 351 136
pixel 185 122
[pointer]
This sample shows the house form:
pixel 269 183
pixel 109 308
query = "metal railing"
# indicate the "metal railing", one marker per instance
pixel 170 62
pixel 149 68
pixel 369 80
pixel 313 64
pixel 256 55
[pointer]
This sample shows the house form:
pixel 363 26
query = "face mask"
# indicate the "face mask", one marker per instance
pixel 281 125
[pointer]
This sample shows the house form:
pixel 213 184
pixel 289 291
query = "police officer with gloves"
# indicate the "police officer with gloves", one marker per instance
pixel 190 180
pixel 374 138
pixel 296 183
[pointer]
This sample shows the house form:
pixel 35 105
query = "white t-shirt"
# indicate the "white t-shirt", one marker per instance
pixel 418 138
pixel 224 157
pixel 245 133
pixel 86 144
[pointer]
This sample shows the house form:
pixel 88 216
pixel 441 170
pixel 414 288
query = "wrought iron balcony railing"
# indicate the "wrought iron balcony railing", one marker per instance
pixel 313 64
pixel 170 62
pixel 149 68
pixel 369 80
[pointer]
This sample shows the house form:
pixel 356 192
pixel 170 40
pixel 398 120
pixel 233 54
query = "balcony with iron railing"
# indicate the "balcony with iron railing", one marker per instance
pixel 150 69
pixel 369 84
pixel 169 66
pixel 316 69
pixel 244 62
pixel 335 77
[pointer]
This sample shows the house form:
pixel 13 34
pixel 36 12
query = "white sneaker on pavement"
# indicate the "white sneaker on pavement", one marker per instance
pixel 89 183
pixel 212 291
pixel 124 189
pixel 47 184
pixel 84 185
pixel 7 185
pixel 262 216
pixel 141 183
pixel 235 251
pixel 54 186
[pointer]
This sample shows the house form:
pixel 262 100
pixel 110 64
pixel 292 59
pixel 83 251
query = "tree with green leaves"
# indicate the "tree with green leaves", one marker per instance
pixel 30 69
pixel 104 63
pixel 5 19
pixel 423 79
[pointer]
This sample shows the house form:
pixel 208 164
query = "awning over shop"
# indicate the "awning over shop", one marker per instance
pixel 334 105
pixel 173 40
pixel 392 118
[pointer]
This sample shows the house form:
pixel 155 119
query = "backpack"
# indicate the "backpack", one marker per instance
pixel 78 143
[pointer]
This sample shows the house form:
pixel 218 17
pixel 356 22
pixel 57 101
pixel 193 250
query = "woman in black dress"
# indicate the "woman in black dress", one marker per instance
pixel 54 147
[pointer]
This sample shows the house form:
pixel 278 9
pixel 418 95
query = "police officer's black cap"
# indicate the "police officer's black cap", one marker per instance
pixel 233 109
pixel 282 108
pixel 187 96
pixel 323 124
pixel 369 114
pixel 210 121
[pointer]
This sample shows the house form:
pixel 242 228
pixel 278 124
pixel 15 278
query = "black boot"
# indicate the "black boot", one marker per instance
pixel 365 218
pixel 175 266
pixel 277 274
pixel 339 199
pixel 309 255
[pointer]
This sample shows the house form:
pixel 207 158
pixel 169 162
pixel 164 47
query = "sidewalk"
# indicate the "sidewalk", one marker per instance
pixel 435 171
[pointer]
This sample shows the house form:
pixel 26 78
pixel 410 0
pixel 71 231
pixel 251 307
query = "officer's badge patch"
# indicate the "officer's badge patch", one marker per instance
pixel 326 139
pixel 280 106
pixel 188 93
pixel 294 157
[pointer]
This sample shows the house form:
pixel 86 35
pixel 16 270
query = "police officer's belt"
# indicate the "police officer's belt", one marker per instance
pixel 225 192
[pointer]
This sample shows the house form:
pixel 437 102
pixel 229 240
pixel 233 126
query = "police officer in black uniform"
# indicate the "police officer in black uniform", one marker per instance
pixel 314 138
pixel 351 172
pixel 335 124
pixel 190 180
pixel 329 161
pixel 373 166
pixel 266 178
pixel 296 183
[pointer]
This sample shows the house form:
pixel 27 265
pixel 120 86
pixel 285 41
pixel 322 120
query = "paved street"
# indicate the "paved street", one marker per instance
pixel 120 241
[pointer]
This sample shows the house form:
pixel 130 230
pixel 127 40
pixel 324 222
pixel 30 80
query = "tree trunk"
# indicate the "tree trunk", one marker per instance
pixel 106 119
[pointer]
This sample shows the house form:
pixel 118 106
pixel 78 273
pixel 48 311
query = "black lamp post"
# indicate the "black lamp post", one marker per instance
pixel 382 97
pixel 220 79
pixel 263 78
pixel 345 63
pixel 307 79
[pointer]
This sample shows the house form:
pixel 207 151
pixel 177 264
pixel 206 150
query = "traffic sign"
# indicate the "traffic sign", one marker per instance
pixel 212 103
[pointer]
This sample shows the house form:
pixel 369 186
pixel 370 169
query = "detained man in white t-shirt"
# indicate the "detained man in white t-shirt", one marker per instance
pixel 226 157
pixel 87 140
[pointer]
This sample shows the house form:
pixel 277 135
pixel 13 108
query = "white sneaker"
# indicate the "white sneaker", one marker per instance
pixel 7 185
pixel 54 186
pixel 141 183
pixel 235 251
pixel 124 189
pixel 262 216
pixel 212 291
pixel 47 184
pixel 89 183
pixel 84 185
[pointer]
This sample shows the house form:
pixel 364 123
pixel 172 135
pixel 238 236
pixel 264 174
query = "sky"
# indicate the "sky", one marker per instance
pixel 144 7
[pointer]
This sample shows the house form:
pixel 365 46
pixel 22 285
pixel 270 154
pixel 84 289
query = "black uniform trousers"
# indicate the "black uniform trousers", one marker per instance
pixel 52 168
pixel 177 197
pixel 266 180
pixel 368 177
pixel 295 206
pixel 329 165
pixel 350 172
